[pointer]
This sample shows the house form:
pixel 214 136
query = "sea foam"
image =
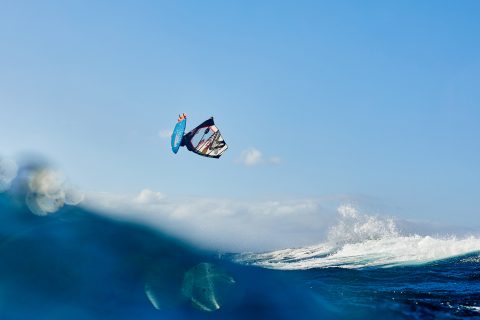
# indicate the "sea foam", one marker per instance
pixel 358 241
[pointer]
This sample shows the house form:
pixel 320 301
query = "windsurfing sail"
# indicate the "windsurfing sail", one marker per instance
pixel 205 140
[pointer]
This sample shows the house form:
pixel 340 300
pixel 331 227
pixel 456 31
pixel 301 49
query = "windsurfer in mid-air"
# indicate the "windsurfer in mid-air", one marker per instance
pixel 204 140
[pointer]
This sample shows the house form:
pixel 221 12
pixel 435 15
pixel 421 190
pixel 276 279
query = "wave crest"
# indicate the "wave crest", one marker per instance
pixel 354 227
pixel 359 241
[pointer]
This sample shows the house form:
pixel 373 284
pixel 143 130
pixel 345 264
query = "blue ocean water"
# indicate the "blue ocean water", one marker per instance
pixel 78 264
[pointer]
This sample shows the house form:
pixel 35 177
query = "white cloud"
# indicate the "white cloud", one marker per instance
pixel 252 157
pixel 147 196
pixel 165 134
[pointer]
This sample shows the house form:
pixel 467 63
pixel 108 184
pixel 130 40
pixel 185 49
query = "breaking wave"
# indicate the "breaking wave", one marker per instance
pixel 359 241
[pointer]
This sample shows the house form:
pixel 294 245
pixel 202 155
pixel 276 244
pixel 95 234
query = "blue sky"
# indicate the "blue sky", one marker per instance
pixel 372 100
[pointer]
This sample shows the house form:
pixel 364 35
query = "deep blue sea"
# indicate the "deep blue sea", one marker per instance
pixel 79 264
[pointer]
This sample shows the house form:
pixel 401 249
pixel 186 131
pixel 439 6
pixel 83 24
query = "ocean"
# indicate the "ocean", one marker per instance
pixel 76 263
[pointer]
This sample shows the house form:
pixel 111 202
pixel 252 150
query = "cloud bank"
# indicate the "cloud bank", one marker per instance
pixel 231 225
pixel 223 224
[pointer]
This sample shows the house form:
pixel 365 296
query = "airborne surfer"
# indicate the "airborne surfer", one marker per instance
pixel 204 140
